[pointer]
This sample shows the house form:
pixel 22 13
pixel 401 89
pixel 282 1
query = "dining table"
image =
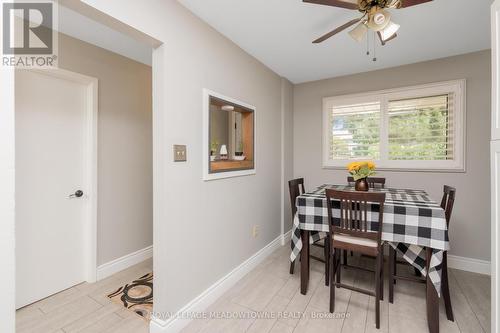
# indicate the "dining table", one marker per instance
pixel 413 224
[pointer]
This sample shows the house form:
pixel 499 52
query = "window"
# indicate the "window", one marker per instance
pixel 415 128
pixel 355 131
pixel 228 137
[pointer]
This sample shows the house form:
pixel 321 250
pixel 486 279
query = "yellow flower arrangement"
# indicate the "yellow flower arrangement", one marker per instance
pixel 362 169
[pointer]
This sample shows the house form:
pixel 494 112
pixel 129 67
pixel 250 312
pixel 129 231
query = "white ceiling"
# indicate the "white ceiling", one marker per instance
pixel 81 27
pixel 279 34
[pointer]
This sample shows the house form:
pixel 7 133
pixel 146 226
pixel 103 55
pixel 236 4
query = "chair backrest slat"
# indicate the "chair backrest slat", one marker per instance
pixel 448 201
pixel 353 213
pixel 372 181
pixel 296 188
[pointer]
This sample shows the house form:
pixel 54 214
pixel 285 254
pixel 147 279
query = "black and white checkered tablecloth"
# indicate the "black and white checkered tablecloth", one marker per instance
pixel 412 221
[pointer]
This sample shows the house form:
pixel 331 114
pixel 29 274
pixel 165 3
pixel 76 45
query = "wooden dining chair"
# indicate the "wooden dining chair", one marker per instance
pixel 447 203
pixel 350 231
pixel 373 182
pixel 296 188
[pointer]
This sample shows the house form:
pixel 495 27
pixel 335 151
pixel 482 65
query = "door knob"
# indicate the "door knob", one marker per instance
pixel 77 194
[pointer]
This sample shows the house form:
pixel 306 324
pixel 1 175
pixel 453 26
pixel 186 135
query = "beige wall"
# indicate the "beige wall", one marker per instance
pixel 470 226
pixel 125 175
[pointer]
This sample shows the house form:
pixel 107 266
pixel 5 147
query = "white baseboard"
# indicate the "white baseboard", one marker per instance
pixel 124 262
pixel 285 238
pixel 209 296
pixel 469 264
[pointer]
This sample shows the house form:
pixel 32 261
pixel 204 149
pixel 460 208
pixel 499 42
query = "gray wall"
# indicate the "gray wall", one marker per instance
pixel 203 230
pixel 125 172
pixel 287 148
pixel 470 226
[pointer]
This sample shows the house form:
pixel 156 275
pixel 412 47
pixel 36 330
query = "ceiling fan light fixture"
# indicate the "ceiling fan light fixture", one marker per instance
pixel 378 20
pixel 389 31
pixel 359 32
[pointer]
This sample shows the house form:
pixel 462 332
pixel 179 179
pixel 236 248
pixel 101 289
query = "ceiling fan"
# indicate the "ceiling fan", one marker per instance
pixel 375 17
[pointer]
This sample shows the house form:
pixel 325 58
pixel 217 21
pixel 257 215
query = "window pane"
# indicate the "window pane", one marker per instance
pixel 355 131
pixel 421 128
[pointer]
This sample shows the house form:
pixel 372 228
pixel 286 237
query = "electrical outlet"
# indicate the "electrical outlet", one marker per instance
pixel 255 231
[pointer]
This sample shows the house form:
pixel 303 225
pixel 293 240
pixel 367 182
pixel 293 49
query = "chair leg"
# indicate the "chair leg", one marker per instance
pixel 352 254
pixel 333 271
pixel 395 263
pixel 292 266
pixel 338 270
pixel 344 254
pixel 327 260
pixel 392 269
pixel 445 289
pixel 377 290
pixel 382 275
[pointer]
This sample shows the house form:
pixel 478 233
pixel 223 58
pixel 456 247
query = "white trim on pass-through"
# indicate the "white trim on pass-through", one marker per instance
pixel 206 140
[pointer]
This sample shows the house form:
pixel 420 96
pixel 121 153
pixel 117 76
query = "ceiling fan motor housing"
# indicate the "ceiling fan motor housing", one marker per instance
pixel 366 5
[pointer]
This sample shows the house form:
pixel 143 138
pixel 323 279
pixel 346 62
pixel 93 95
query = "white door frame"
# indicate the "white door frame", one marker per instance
pixel 90 168
pixel 495 165
pixel 7 200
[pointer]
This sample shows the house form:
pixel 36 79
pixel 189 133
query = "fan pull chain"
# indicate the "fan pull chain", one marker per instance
pixel 374 48
pixel 367 44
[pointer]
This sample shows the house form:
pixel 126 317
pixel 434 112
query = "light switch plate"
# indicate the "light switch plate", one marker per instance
pixel 180 153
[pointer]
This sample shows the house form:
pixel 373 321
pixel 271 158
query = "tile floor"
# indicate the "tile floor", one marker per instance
pixel 269 289
pixel 85 308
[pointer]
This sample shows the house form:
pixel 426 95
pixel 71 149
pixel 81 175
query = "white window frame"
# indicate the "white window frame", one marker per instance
pixel 456 87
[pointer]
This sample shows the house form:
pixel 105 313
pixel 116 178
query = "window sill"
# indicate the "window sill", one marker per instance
pixel 424 170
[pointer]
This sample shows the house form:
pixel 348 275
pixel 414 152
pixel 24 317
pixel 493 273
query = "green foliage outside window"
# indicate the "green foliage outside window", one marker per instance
pixel 356 136
pixel 419 129
pixel 420 132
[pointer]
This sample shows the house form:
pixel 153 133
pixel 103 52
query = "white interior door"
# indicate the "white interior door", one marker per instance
pixel 50 165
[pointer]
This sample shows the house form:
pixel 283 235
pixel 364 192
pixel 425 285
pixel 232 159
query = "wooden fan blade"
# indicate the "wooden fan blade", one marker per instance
pixel 387 40
pixel 409 3
pixel 336 31
pixel 334 3
pixel 391 38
